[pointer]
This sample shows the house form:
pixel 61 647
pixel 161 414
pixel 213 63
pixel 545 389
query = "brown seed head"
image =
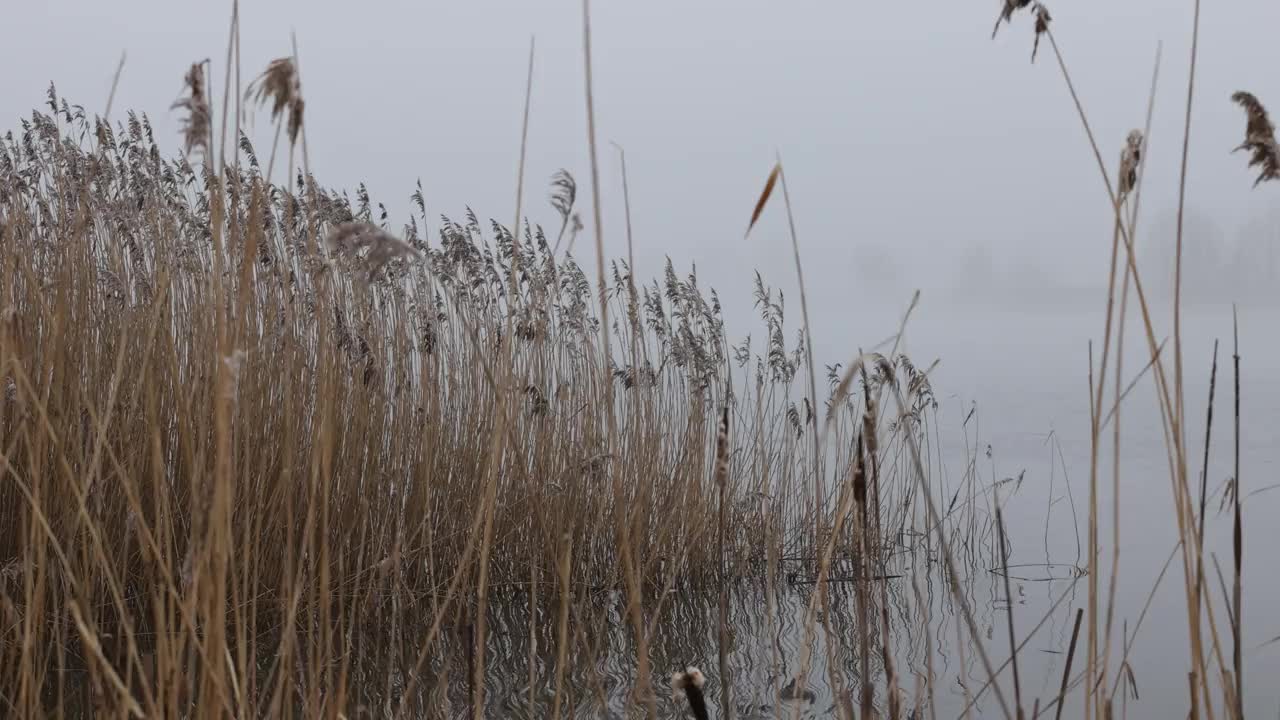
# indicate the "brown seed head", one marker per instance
pixel 195 126
pixel 722 449
pixel 280 85
pixel 1259 138
pixel 1042 26
pixel 379 247
pixel 1007 8
pixel 859 475
pixel 1130 159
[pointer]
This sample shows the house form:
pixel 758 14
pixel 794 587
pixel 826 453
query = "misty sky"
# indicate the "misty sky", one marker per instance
pixel 912 141
pixel 910 138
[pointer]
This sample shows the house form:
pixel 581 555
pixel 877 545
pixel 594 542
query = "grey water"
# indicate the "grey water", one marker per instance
pixel 1014 399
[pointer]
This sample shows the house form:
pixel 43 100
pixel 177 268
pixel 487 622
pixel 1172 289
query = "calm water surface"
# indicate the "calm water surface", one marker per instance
pixel 1027 372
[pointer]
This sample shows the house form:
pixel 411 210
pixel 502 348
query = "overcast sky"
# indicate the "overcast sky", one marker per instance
pixel 911 139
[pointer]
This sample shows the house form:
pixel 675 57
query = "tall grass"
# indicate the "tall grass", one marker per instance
pixel 264 453
pixel 1206 683
pixel 234 468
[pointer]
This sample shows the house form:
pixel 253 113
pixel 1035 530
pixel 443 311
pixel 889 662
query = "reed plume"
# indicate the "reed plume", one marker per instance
pixel 195 126
pixel 279 84
pixel 1130 159
pixel 1042 26
pixel 1259 138
pixel 1007 9
pixel 377 245
pixel 564 191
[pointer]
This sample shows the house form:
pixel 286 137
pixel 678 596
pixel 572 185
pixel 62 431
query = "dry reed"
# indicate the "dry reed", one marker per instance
pixel 196 125
pixel 1259 138
pixel 228 461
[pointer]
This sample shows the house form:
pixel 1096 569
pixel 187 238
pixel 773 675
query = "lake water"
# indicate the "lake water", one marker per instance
pixel 1027 371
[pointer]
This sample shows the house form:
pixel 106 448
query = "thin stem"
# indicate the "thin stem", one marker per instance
pixel 818 484
pixel 1008 596
pixel 1120 329
pixel 1182 201
pixel 115 82
pixel 1176 454
pixel 1066 670
pixel 1237 540
pixel 635 610
pixel 226 91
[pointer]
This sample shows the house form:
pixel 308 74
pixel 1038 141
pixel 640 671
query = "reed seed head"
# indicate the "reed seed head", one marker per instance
pixel 859 474
pixel 379 247
pixel 280 85
pixel 1007 9
pixel 722 449
pixel 195 126
pixel 1259 138
pixel 1130 159
pixel 564 191
pixel 869 415
pixel 1042 26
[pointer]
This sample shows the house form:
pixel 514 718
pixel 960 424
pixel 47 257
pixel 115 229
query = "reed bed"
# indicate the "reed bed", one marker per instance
pixel 245 420
pixel 264 452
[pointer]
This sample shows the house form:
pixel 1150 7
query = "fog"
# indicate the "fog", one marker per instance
pixel 920 154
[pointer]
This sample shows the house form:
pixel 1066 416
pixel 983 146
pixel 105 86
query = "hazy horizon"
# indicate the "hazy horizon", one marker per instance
pixel 912 142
